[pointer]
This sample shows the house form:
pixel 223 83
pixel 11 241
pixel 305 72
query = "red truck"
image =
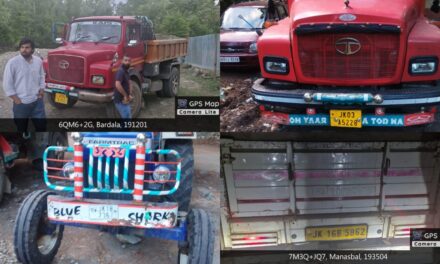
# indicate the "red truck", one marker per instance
pixel 83 68
pixel 350 64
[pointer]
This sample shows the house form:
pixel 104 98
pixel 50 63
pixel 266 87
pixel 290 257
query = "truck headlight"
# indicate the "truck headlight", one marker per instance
pixel 423 65
pixel 115 58
pixel 276 65
pixel 253 48
pixel 161 173
pixel 98 79
pixel 69 170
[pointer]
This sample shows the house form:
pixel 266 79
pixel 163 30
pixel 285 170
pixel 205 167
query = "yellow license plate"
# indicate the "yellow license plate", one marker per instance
pixel 346 118
pixel 61 98
pixel 336 233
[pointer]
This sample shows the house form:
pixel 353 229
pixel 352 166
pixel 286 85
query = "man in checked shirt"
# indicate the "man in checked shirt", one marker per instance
pixel 23 82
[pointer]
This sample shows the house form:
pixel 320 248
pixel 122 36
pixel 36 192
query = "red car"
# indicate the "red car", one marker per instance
pixel 239 31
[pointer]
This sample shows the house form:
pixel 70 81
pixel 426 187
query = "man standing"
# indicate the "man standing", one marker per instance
pixel 23 82
pixel 122 92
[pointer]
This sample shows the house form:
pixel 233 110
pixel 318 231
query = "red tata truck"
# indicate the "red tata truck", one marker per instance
pixel 350 64
pixel 83 68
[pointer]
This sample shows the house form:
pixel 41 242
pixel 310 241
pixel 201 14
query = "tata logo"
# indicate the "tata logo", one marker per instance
pixel 63 64
pixel 347 17
pixel 348 46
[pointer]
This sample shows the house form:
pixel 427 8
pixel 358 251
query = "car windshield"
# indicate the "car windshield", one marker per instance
pixel 252 17
pixel 95 31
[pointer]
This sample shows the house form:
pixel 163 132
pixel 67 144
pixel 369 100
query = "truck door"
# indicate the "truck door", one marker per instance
pixel 134 47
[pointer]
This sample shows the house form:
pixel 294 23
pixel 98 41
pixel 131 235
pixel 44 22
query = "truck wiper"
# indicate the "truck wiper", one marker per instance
pixel 247 22
pixel 81 37
pixel 105 38
pixel 232 28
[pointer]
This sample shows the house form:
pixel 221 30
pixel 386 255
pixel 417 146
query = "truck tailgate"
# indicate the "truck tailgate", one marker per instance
pixel 305 178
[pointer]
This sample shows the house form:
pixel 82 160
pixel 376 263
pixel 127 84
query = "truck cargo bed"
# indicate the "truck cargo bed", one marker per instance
pixel 279 192
pixel 165 49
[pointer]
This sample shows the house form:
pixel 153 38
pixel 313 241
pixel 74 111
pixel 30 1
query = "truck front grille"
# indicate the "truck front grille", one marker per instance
pixel 111 169
pixel 374 56
pixel 67 69
pixel 236 48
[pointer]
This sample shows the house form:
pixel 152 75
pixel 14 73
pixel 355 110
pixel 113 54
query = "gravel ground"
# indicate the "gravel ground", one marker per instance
pixel 87 246
pixel 154 107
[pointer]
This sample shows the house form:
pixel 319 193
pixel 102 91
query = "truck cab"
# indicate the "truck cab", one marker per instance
pixel 350 64
pixel 83 68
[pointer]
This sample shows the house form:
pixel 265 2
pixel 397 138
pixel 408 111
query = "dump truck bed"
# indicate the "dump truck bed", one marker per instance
pixel 165 49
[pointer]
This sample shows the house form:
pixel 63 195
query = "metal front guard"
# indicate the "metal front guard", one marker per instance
pixel 124 189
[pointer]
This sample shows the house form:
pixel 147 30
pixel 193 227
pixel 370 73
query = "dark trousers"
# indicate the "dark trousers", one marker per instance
pixel 35 111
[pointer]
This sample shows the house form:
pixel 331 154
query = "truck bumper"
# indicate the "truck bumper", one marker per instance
pixel 282 103
pixel 89 96
pixel 114 213
pixel 284 230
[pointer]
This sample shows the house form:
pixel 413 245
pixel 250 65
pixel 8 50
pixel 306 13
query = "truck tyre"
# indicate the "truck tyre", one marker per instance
pixel 136 104
pixel 171 85
pixel 35 239
pixel 183 194
pixel 70 103
pixel 2 179
pixel 199 247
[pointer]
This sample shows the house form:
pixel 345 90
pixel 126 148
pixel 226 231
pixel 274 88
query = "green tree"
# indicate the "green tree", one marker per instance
pixel 176 25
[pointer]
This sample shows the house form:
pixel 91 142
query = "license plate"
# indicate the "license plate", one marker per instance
pixel 148 215
pixel 57 86
pixel 61 98
pixel 336 233
pixel 230 59
pixel 346 118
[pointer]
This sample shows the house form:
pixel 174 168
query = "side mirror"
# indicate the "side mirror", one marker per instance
pixel 59 32
pixel 259 32
pixel 132 43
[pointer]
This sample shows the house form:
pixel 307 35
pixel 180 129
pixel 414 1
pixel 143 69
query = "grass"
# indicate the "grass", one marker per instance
pixel 198 85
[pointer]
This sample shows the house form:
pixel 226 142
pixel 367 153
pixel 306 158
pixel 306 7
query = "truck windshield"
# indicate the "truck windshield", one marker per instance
pixel 95 31
pixel 246 17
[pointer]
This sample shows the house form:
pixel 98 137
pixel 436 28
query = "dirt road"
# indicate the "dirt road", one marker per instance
pixel 154 106
pixel 87 246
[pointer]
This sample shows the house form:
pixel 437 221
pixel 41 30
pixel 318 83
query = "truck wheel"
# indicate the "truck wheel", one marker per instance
pixel 135 105
pixel 199 248
pixel 35 239
pixel 70 103
pixel 183 194
pixel 2 178
pixel 171 86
